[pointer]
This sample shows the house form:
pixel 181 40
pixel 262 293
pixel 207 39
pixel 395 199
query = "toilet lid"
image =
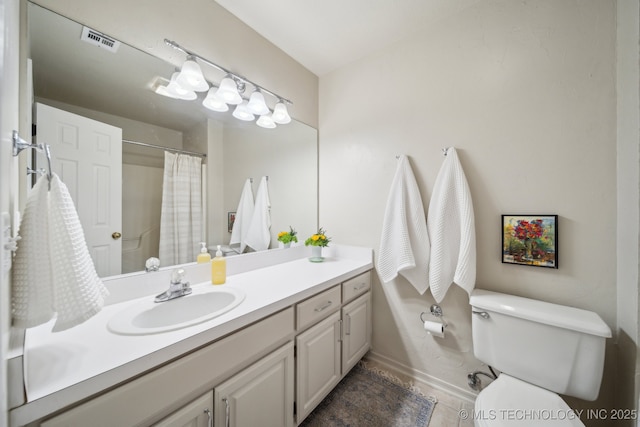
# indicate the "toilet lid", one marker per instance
pixel 509 401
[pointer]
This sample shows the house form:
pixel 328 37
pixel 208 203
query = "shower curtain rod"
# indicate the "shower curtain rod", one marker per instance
pixel 175 150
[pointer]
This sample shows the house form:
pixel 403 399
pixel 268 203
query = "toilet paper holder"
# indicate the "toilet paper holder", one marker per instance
pixel 436 311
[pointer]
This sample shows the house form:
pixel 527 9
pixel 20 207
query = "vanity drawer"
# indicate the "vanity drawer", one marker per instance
pixel 317 307
pixel 356 286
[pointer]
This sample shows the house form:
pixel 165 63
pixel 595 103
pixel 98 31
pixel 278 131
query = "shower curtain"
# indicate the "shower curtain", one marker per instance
pixel 181 215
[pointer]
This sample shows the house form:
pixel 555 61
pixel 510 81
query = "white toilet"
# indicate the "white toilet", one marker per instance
pixel 540 349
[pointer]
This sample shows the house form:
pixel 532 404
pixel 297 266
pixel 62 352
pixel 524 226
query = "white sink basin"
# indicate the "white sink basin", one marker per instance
pixel 148 317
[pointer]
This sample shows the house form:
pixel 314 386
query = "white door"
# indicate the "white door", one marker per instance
pixel 87 156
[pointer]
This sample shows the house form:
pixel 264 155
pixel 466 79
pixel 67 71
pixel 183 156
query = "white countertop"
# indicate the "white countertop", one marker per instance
pixel 64 367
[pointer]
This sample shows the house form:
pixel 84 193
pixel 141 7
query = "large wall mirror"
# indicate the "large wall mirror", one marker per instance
pixel 115 88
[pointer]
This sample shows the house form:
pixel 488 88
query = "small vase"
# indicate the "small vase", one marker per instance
pixel 316 254
pixel 287 245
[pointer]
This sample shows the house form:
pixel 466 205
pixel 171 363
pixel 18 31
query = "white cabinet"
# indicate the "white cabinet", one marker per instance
pixel 260 395
pixel 198 413
pixel 318 364
pixel 330 348
pixel 159 392
pixel 356 331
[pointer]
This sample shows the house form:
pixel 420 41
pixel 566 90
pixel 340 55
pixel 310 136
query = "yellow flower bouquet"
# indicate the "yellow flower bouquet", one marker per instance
pixel 288 236
pixel 318 239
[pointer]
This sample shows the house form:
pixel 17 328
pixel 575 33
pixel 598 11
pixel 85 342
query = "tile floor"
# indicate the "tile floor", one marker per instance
pixel 450 411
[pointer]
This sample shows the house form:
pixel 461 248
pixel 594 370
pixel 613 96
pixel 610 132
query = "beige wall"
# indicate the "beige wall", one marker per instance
pixel 525 91
pixel 206 28
pixel 288 156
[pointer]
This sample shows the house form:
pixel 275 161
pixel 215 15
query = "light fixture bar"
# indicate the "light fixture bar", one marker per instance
pixel 224 70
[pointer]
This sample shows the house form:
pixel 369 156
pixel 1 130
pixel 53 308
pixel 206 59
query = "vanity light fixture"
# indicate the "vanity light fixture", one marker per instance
pixel 228 92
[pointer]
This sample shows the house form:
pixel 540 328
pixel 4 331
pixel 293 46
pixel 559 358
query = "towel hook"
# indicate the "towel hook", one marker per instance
pixel 444 151
pixel 20 144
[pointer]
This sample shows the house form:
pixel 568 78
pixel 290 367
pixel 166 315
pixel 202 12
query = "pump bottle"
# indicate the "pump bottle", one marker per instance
pixel 218 268
pixel 204 255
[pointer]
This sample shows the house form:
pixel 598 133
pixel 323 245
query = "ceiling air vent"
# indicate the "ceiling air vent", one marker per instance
pixel 100 40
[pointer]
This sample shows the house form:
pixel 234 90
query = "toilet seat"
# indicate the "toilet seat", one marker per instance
pixel 508 401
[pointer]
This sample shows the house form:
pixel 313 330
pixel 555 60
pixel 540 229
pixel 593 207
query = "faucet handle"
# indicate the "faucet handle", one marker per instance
pixel 177 275
pixel 152 264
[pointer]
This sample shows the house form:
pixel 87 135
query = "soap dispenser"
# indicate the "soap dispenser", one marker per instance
pixel 218 268
pixel 204 255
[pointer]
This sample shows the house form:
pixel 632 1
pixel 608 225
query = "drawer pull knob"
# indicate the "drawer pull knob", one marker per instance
pixel 209 418
pixel 324 306
pixel 360 286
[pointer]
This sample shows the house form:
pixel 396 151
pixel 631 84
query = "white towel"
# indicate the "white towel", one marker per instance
pixel 244 212
pixel 452 230
pixel 258 235
pixel 78 292
pixel 54 272
pixel 31 293
pixel 404 245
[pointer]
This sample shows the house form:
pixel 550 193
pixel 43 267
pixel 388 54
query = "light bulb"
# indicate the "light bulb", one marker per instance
pixel 242 112
pixel 228 91
pixel 174 90
pixel 191 76
pixel 213 102
pixel 280 114
pixel 266 121
pixel 256 103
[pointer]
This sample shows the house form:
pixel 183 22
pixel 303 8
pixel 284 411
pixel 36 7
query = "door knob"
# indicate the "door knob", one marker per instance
pixel 115 235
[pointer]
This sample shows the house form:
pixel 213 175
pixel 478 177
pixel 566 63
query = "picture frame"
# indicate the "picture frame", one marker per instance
pixel 530 240
pixel 231 218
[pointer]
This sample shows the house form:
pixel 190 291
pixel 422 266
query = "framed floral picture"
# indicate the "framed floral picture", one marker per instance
pixel 530 240
pixel 231 218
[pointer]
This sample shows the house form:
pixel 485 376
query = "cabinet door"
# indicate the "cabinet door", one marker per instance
pixel 318 364
pixel 356 339
pixel 196 414
pixel 261 395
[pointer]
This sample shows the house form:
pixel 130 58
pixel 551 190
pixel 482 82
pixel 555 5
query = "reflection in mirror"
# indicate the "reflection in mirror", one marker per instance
pixel 115 88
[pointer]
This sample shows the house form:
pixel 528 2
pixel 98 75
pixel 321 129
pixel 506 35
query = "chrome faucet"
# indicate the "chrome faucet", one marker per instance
pixel 177 288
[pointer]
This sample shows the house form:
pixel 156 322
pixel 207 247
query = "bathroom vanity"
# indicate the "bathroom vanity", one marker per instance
pixel 269 361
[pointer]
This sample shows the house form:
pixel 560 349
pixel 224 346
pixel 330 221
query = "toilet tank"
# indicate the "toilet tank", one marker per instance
pixel 553 346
